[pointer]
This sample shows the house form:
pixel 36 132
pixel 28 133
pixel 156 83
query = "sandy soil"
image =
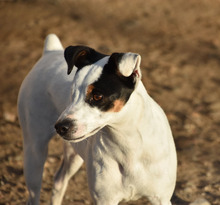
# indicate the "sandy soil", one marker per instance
pixel 179 42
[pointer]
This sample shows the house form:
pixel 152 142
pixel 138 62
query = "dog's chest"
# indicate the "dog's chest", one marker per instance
pixel 121 168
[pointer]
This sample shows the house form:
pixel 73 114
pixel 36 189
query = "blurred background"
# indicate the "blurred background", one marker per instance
pixel 179 42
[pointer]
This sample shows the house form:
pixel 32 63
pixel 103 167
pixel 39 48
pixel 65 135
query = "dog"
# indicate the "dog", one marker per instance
pixel 97 103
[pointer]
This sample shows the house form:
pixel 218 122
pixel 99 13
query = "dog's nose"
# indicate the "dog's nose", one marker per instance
pixel 63 127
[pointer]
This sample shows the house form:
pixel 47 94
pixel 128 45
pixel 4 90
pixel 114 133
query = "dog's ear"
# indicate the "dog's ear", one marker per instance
pixel 80 56
pixel 76 55
pixel 127 65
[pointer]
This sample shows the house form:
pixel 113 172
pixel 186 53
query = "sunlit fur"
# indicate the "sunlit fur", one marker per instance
pixel 127 144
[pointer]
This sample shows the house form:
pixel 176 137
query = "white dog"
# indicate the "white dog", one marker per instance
pixel 107 119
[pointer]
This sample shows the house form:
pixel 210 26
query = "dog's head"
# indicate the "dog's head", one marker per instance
pixel 101 88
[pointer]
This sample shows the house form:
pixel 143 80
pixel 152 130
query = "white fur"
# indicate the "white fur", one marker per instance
pixel 129 63
pixel 133 153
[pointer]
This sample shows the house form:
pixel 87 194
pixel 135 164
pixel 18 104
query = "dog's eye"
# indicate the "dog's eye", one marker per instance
pixel 97 97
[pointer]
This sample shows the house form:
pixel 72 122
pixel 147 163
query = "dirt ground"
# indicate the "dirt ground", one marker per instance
pixel 179 42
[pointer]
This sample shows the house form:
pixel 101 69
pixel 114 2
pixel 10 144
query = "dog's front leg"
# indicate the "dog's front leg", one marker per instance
pixel 159 201
pixel 104 181
pixel 106 202
pixel 70 165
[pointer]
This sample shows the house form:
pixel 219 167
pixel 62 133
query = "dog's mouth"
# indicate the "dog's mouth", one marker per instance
pixel 79 139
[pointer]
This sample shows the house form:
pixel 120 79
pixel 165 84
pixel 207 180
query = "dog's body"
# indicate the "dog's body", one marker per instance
pixel 107 119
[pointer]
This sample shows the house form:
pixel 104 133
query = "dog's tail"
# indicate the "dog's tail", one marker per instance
pixel 52 43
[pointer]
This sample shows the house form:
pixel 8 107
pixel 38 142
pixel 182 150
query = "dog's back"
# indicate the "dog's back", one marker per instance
pixel 47 76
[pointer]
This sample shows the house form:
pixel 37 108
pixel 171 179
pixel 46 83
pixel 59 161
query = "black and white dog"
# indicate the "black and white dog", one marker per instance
pixel 106 118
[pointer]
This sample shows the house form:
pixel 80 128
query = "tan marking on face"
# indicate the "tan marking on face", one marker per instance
pixel 118 105
pixel 89 91
pixel 71 116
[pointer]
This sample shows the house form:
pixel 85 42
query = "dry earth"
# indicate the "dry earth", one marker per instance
pixel 179 42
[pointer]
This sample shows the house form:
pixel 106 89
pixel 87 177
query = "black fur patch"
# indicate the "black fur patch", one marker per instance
pixel 112 85
pixel 81 56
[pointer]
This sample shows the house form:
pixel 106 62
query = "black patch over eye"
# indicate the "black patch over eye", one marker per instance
pixel 110 90
pixel 94 98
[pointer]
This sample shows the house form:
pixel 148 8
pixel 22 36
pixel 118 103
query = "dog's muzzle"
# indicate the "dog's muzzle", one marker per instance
pixel 66 128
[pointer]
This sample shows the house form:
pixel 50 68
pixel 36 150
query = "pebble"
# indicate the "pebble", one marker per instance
pixel 200 201
pixel 9 117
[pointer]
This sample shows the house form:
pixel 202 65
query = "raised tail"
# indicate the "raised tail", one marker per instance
pixel 52 43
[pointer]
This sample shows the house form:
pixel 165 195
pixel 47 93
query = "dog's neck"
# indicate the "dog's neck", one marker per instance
pixel 139 109
pixel 132 129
